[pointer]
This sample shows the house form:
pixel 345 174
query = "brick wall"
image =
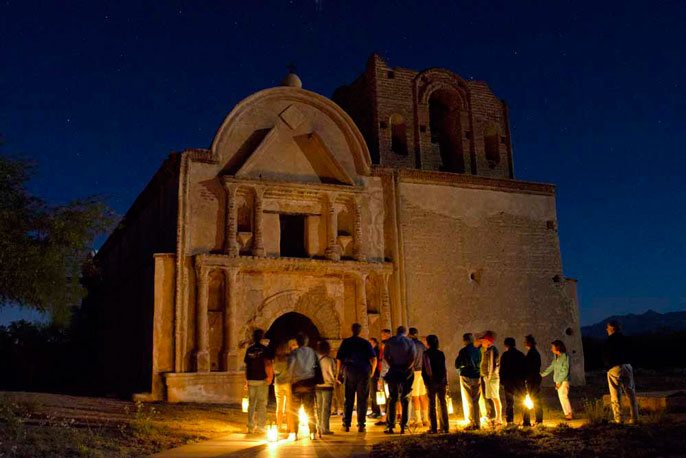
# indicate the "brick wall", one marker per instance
pixel 382 91
pixel 478 259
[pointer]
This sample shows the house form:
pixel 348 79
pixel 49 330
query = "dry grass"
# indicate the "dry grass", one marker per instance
pixel 48 425
pixel 649 439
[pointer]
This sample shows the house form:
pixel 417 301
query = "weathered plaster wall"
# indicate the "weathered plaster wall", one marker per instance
pixel 478 259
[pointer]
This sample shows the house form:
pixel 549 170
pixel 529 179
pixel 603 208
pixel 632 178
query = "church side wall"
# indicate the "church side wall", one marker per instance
pixel 478 259
pixel 123 297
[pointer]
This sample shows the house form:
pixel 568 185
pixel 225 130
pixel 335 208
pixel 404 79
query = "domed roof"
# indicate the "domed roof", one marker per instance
pixel 292 80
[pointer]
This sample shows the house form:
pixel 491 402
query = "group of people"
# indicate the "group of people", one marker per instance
pixel 409 369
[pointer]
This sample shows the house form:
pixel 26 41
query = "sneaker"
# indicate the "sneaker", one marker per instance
pixel 380 423
pixel 388 431
pixel 402 430
pixel 346 429
pixel 361 429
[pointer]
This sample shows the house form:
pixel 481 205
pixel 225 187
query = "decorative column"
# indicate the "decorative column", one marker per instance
pixel 202 338
pixel 357 232
pixel 231 246
pixel 386 303
pixel 229 345
pixel 258 242
pixel 361 302
pixel 333 251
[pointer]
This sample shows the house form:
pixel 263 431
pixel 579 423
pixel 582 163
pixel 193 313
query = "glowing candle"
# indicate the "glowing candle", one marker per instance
pixel 272 433
pixel 449 401
pixel 528 402
pixel 303 421
pixel 380 398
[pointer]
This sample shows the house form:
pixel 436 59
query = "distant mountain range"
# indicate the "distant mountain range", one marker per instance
pixel 646 323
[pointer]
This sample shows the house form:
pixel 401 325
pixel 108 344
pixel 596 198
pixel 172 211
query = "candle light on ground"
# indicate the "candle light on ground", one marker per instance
pixel 272 433
pixel 303 423
pixel 528 403
pixel 380 398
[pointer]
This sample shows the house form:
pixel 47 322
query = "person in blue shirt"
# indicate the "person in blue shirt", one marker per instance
pixel 301 368
pixel 560 369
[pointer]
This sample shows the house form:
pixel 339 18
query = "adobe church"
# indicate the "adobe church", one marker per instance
pixel 393 203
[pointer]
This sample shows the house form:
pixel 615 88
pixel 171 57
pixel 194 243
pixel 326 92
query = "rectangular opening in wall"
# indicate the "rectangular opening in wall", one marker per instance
pixel 292 243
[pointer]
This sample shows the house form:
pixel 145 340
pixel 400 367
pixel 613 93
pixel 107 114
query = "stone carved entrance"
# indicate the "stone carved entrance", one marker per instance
pixel 287 326
pixel 314 304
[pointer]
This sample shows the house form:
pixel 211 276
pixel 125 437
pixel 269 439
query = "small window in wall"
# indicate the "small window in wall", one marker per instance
pixel 292 243
pixel 398 134
pixel 492 146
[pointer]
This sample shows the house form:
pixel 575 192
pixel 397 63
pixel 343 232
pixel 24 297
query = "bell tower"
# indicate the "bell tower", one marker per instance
pixel 430 120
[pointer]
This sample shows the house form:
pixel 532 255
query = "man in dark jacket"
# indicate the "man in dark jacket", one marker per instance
pixel 435 380
pixel 399 352
pixel 532 377
pixel 357 356
pixel 374 384
pixel 468 364
pixel 512 374
pixel 620 374
pixel 259 373
pixel 420 404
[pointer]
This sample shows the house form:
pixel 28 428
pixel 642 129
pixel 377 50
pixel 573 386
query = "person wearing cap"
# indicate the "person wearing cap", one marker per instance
pixel 620 374
pixel 490 377
pixel 468 365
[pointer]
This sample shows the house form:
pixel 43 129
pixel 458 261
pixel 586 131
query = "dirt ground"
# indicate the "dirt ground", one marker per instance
pixel 42 424
pixel 51 425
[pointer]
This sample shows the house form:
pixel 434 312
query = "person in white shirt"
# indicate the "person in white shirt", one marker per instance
pixel 324 391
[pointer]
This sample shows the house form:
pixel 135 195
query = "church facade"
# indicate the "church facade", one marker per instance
pixel 393 203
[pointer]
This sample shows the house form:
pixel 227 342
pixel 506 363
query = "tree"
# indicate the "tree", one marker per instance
pixel 43 248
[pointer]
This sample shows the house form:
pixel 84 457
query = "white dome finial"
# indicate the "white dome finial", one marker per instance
pixel 291 80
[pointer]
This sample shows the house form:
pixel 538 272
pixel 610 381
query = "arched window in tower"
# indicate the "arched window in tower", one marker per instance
pixel 398 134
pixel 446 129
pixel 492 145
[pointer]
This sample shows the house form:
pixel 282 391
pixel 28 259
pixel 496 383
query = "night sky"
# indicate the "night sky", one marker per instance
pixel 100 92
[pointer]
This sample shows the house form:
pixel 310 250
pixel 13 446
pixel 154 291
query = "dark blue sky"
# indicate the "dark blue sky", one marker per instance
pixel 99 92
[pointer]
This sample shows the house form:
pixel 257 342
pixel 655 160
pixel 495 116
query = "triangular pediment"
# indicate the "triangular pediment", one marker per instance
pixel 300 158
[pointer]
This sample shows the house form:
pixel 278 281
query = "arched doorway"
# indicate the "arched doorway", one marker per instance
pixel 446 129
pixel 287 326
